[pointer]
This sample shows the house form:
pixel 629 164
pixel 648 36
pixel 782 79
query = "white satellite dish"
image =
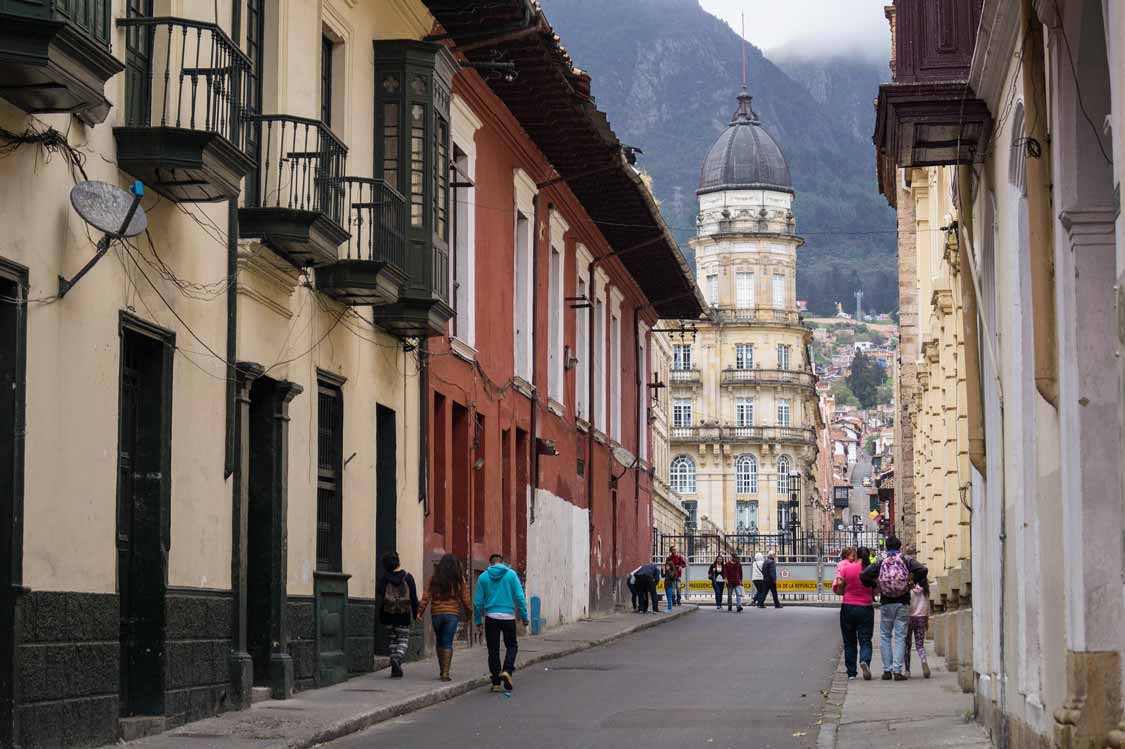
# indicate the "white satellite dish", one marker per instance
pixel 115 212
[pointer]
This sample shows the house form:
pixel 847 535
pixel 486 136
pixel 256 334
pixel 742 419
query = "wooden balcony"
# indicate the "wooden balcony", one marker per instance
pixel 929 115
pixel 55 56
pixel 185 87
pixel 370 268
pixel 294 199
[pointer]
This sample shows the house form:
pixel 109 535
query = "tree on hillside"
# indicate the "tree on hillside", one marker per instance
pixel 843 394
pixel 865 378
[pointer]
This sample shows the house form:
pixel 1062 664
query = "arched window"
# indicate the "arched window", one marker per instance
pixel 783 468
pixel 746 475
pixel 683 475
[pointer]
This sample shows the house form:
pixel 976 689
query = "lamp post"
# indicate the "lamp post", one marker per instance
pixel 794 509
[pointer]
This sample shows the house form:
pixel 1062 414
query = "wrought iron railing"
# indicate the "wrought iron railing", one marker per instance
pixel 767 377
pixel 300 166
pixel 702 548
pixel 183 73
pixel 373 215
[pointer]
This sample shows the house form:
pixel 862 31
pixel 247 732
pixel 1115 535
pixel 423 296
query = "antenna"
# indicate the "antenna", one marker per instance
pixel 109 209
pixel 743 17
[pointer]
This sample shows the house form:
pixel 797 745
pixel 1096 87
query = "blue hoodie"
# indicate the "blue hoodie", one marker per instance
pixel 498 592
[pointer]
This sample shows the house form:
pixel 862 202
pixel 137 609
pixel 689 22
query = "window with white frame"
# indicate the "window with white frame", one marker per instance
pixel 583 310
pixel 782 356
pixel 713 290
pixel 744 412
pixel 524 315
pixel 681 412
pixel 615 374
pixel 746 516
pixel 744 289
pixel 778 290
pixel 599 359
pixel 743 356
pixel 555 351
pixel 462 261
pixel 692 508
pixel 642 395
pixel 681 356
pixel 783 468
pixel 682 474
pixel 746 475
pixel 783 412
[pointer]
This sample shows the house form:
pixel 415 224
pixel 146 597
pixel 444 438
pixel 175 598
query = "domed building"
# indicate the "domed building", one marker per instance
pixel 745 412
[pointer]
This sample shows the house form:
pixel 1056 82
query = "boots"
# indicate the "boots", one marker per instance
pixel 445 658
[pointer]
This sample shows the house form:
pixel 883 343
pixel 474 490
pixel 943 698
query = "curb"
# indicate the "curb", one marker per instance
pixel 833 707
pixel 363 721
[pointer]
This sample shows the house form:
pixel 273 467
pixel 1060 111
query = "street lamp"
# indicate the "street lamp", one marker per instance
pixel 794 508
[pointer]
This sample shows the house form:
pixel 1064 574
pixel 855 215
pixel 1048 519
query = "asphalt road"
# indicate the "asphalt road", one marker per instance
pixel 711 679
pixel 860 504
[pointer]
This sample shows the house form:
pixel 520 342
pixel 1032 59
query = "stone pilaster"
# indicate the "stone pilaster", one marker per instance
pixel 905 509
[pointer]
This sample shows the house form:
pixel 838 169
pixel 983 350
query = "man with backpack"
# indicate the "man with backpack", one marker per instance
pixel 893 575
pixel 498 600
pixel 396 600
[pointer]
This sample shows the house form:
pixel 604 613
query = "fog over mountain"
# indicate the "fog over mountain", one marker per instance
pixel 667 72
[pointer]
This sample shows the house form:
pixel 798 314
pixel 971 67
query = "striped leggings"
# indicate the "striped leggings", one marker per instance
pixel 916 630
pixel 399 639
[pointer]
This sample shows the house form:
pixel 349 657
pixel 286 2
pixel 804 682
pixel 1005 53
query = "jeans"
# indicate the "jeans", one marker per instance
pixel 718 586
pixel 493 629
pixel 679 592
pixel 734 590
pixel 670 592
pixel 445 629
pixel 857 623
pixel 892 635
pixel 633 591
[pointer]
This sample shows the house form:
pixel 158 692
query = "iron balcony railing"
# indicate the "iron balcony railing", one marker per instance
pixel 757 314
pixel 183 73
pixel 771 434
pixel 768 377
pixel 373 216
pixel 91 17
pixel 300 166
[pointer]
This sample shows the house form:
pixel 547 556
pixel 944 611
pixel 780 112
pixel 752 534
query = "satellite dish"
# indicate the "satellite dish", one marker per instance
pixel 117 213
pixel 107 207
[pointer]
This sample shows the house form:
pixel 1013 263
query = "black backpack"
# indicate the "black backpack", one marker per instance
pixel 396 597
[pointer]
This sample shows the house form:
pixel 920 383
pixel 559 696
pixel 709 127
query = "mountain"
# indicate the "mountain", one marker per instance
pixel 666 73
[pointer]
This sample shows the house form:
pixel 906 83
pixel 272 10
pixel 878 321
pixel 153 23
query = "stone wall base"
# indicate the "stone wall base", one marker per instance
pixel 1093 700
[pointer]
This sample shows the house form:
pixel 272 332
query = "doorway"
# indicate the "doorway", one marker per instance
pixel 265 520
pixel 143 493
pixel 12 355
pixel 386 499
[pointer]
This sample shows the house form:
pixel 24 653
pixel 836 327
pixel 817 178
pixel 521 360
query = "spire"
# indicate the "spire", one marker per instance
pixel 745 112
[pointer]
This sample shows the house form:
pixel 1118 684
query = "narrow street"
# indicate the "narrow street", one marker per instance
pixel 858 500
pixel 710 679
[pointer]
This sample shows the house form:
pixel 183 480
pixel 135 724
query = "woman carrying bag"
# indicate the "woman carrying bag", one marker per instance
pixel 718 582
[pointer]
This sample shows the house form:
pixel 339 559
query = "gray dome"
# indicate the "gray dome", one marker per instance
pixel 744 157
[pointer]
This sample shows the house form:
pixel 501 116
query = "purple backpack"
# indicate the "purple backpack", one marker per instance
pixel 894 577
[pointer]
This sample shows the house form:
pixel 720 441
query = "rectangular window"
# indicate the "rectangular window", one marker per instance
pixel 692 507
pixel 746 515
pixel 417 164
pixel 713 290
pixel 506 502
pixel 480 479
pixel 782 356
pixel 599 363
pixel 255 31
pixel 744 356
pixel 463 250
pixel 642 400
pixel 783 515
pixel 326 48
pixel 744 412
pixel 778 290
pixel 582 341
pixel 440 489
pixel 681 356
pixel 744 290
pixel 13 342
pixel 555 328
pixel 615 377
pixel 523 314
pixel 329 462
pixel 783 413
pixel 681 412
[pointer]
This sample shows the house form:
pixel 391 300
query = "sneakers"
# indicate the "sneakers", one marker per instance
pixel 866 671
pixel 925 670
pixel 899 677
pixel 496 688
pixel 739 609
pixel 851 678
pixel 396 670
pixel 887 676
pixel 506 680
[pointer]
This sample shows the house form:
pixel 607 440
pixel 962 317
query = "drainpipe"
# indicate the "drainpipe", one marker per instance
pixel 232 331
pixel 593 286
pixel 423 425
pixel 534 354
pixel 642 410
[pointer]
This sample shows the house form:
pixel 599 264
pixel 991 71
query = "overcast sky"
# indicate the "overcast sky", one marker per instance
pixel 851 26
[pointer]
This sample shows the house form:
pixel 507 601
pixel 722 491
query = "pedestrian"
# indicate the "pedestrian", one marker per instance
pixel 396 600
pixel 893 574
pixel 857 612
pixel 448 594
pixel 732 571
pixel 631 582
pixel 681 568
pixel 769 576
pixel 497 601
pixel 715 575
pixel 918 623
pixel 670 573
pixel 846 556
pixel 647 575
pixel 758 578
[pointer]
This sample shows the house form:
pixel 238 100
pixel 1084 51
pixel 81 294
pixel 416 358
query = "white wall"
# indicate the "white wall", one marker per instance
pixel 558 559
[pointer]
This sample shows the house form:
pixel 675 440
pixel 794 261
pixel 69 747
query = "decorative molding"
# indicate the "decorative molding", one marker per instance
pixel 559 228
pixel 525 191
pixel 1088 226
pixel 263 277
pixel 555 407
pixel 462 349
pixel 523 386
pixel 410 12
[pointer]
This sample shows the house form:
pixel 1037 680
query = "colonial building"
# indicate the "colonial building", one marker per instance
pixel 744 406
pixel 1003 133
pixel 671 515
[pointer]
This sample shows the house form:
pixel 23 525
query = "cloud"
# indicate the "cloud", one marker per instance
pixel 810 28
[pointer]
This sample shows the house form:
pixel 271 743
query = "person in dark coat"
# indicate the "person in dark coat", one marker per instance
pixel 732 571
pixel 769 581
pixel 715 575
pixel 396 601
pixel 644 584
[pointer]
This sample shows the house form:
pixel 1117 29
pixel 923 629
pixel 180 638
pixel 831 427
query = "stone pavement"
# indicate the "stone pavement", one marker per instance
pixel 910 714
pixel 321 715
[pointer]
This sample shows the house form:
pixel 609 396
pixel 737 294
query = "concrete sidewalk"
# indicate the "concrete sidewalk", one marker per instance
pixel 321 715
pixel 910 714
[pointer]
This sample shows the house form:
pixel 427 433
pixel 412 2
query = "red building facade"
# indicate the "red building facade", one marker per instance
pixel 538 442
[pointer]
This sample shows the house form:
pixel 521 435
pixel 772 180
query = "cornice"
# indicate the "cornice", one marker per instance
pixel 996 37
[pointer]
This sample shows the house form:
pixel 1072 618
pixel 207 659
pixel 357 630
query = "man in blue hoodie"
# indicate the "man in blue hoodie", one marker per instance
pixel 497 601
